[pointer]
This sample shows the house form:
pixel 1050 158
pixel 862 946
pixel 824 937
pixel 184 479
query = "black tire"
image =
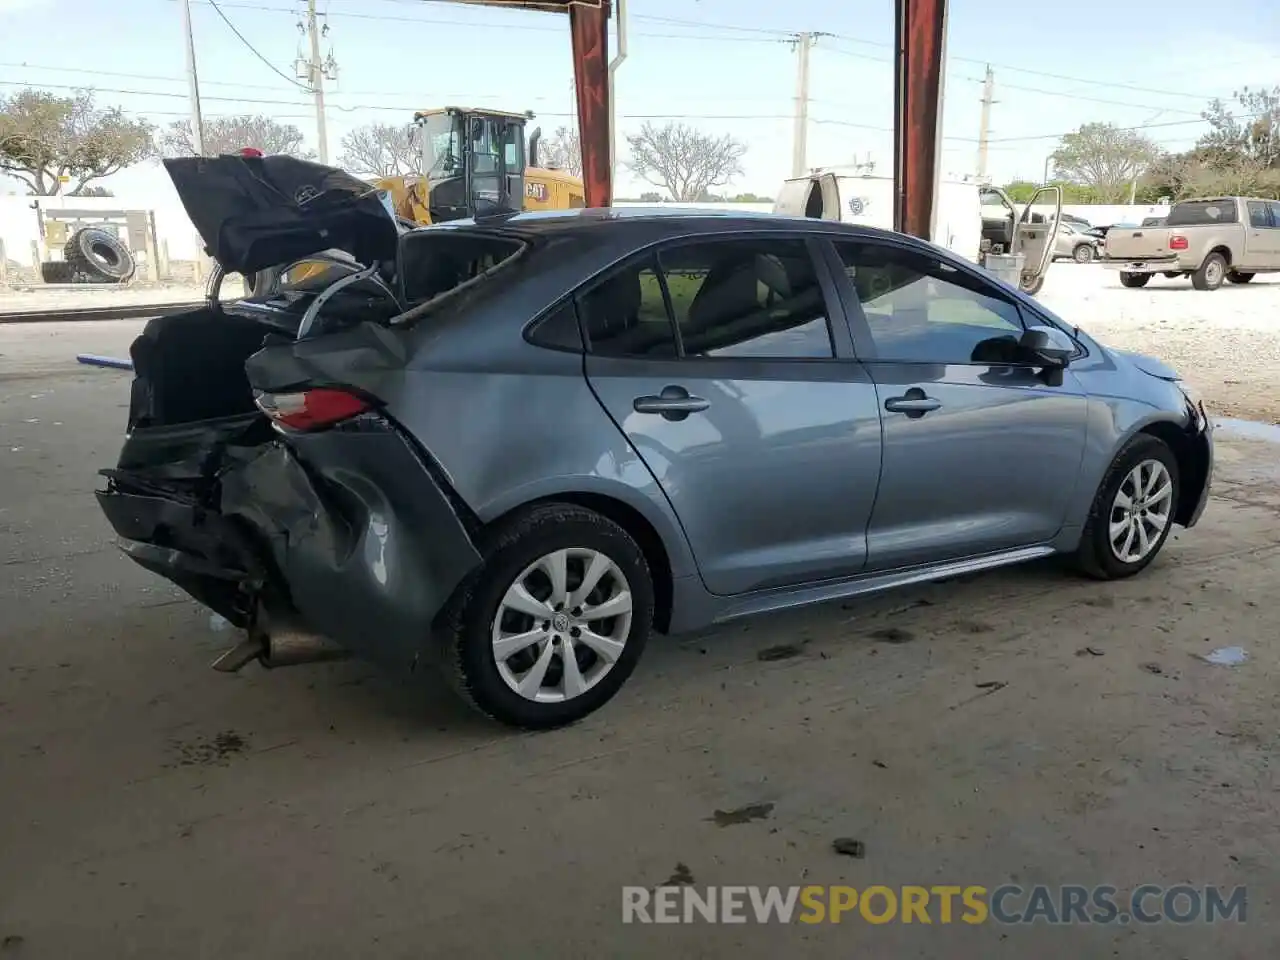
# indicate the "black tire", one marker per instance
pixel 1031 287
pixel 1172 274
pixel 1235 276
pixel 1083 253
pixel 97 253
pixel 1134 280
pixel 57 271
pixel 1211 273
pixel 464 635
pixel 1095 556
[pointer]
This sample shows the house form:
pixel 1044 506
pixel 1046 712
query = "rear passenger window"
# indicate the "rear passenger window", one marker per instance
pixel 1259 215
pixel 1275 213
pixel 727 298
pixel 558 330
pixel 626 316
pixel 747 298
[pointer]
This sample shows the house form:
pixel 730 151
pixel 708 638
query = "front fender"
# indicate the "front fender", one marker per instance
pixel 1113 422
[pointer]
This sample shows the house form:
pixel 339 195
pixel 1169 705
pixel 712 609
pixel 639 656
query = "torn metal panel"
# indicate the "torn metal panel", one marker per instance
pixel 366 541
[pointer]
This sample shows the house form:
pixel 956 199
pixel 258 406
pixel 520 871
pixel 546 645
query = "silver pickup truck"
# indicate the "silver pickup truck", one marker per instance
pixel 1209 240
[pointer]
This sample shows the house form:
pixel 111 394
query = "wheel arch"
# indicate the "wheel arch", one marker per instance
pixel 660 540
pixel 1192 453
pixel 1225 251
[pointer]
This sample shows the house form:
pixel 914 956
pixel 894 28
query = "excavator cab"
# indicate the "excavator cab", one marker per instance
pixel 472 161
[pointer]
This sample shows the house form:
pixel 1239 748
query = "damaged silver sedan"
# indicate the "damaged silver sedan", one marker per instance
pixel 513 447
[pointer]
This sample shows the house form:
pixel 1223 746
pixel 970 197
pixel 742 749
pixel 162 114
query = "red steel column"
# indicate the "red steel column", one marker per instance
pixel 920 34
pixel 589 27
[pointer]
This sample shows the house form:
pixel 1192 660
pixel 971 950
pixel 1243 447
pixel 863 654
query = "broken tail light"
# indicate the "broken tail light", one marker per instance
pixel 1177 242
pixel 313 409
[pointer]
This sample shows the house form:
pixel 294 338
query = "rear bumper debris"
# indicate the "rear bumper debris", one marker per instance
pixel 347 527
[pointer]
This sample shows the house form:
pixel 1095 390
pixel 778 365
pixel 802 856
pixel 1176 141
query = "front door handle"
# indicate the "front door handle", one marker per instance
pixel 915 404
pixel 674 403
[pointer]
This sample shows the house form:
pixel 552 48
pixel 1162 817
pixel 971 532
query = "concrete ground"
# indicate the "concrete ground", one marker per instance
pixel 1021 727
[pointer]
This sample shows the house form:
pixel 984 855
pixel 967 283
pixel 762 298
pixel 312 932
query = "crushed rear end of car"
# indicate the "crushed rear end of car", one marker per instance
pixel 289 502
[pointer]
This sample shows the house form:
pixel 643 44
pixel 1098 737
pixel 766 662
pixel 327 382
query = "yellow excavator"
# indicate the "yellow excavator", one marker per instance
pixel 474 162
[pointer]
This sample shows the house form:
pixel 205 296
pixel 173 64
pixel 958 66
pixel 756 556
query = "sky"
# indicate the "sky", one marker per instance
pixel 724 66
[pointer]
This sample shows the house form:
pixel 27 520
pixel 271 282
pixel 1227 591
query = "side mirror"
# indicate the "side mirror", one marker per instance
pixel 1046 346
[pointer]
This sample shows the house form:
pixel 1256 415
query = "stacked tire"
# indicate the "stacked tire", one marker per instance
pixel 91 255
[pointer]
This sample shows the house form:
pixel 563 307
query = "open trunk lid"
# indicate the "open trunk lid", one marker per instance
pixel 254 213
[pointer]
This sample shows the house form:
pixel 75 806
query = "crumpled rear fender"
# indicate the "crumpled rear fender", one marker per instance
pixel 365 539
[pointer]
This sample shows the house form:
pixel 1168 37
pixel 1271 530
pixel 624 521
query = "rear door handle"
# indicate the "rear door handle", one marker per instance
pixel 912 406
pixel 674 403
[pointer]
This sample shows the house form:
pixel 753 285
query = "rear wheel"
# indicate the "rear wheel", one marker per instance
pixel 1235 276
pixel 1031 285
pixel 1083 253
pixel 1134 279
pixel 1132 511
pixel 1211 273
pixel 552 624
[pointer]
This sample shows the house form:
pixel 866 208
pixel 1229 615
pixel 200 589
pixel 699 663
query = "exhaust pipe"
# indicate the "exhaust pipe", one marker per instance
pixel 279 642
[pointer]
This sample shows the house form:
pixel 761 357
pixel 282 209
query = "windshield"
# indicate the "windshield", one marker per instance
pixel 440 135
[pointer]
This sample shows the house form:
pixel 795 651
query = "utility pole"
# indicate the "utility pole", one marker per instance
pixel 197 121
pixel 802 42
pixel 984 124
pixel 316 71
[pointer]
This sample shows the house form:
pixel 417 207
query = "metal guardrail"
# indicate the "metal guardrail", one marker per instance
pixel 123 312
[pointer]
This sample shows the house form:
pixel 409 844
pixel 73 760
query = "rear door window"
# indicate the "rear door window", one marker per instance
pixel 1191 213
pixel 757 298
pixel 1259 214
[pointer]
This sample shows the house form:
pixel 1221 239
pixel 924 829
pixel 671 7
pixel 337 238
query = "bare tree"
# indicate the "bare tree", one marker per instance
pixel 232 134
pixel 684 160
pixel 44 138
pixel 379 150
pixel 563 151
pixel 1105 157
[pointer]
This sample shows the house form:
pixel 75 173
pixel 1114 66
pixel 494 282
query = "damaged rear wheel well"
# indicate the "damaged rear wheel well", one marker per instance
pixel 634 522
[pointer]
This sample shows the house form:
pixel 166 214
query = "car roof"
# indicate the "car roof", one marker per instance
pixel 648 220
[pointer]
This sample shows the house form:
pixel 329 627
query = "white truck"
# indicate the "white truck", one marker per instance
pixel 971 218
pixel 1209 240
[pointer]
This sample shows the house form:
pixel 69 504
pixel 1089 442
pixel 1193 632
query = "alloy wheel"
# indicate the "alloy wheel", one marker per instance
pixel 1141 511
pixel 562 625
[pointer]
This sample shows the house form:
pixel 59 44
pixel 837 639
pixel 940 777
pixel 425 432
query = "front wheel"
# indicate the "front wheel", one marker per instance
pixel 1211 273
pixel 1083 253
pixel 551 625
pixel 1031 285
pixel 1132 511
pixel 1134 280
pixel 1235 276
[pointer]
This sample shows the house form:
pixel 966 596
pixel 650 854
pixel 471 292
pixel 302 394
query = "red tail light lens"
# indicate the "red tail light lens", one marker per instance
pixel 311 409
pixel 1177 242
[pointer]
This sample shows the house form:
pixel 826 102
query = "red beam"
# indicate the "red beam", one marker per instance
pixel 920 34
pixel 589 29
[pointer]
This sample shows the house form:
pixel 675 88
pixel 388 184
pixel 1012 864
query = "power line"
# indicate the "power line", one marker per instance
pixel 137 76
pixel 252 49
